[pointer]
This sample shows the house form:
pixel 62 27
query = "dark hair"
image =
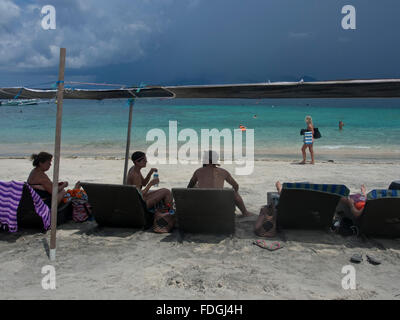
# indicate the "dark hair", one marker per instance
pixel 40 158
pixel 137 155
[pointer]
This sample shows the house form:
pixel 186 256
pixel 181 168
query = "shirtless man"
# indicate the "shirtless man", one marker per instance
pixel 135 178
pixel 209 176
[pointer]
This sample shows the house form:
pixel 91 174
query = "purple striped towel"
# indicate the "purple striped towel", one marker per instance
pixel 10 196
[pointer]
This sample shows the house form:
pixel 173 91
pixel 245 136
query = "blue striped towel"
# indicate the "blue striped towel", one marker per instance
pixel 382 193
pixel 308 138
pixel 337 189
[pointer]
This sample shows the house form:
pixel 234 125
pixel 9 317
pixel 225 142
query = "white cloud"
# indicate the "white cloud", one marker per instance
pixel 8 11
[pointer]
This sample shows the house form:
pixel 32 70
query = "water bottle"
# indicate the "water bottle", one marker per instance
pixel 155 176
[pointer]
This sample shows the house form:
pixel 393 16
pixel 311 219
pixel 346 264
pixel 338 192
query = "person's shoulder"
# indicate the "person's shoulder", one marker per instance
pixel 40 177
pixel 223 171
pixel 131 171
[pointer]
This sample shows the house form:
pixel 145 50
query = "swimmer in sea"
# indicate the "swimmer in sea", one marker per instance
pixel 341 124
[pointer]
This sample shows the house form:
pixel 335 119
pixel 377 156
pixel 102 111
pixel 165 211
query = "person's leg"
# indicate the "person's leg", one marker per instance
pixel 240 204
pixel 363 190
pixel 156 196
pixel 303 151
pixel 310 147
pixel 260 219
pixel 265 224
pixel 356 213
pixel 60 196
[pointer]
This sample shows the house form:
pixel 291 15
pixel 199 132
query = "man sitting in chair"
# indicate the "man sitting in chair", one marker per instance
pixel 143 185
pixel 209 176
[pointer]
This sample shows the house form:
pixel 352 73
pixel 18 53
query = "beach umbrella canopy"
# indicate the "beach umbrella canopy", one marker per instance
pixel 373 88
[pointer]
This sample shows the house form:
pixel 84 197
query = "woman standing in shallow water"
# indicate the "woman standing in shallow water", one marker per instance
pixel 308 140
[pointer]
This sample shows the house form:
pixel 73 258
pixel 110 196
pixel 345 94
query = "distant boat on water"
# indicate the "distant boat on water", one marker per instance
pixel 23 102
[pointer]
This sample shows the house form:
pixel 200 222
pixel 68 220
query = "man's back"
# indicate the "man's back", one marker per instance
pixel 211 177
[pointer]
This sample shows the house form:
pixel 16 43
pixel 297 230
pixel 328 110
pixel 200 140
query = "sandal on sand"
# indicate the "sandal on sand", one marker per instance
pixel 356 258
pixel 271 246
pixel 372 260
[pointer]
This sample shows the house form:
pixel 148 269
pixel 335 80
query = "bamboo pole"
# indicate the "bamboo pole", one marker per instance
pixel 54 198
pixel 128 140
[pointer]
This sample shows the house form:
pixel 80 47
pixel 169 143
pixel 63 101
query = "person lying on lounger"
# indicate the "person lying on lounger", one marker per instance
pixel 39 180
pixel 356 202
pixel 135 178
pixel 209 176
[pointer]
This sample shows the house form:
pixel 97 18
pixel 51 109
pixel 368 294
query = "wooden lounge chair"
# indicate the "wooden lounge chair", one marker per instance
pixel 205 210
pixel 28 218
pixel 308 206
pixel 381 214
pixel 117 205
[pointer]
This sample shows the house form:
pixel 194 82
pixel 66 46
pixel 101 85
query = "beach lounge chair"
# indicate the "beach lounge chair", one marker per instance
pixel 117 205
pixel 395 185
pixel 308 206
pixel 205 210
pixel 28 218
pixel 381 214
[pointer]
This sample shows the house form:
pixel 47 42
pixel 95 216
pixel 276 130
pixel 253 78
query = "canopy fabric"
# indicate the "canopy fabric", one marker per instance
pixel 375 88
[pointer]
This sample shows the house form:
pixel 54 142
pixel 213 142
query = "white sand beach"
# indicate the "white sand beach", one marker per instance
pixel 110 263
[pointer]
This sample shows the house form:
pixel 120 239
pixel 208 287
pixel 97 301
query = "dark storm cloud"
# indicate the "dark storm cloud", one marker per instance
pixel 199 41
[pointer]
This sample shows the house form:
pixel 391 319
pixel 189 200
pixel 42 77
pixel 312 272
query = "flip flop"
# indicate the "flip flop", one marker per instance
pixel 269 246
pixel 356 258
pixel 373 260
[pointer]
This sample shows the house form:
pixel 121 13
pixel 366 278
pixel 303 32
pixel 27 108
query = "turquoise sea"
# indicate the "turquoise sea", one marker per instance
pixel 92 128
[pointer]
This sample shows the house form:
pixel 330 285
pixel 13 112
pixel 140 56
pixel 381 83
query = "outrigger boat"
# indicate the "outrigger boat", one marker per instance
pixel 22 102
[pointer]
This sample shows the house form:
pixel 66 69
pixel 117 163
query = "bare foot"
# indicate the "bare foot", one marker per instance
pixel 363 190
pixel 312 162
pixel 303 162
pixel 278 186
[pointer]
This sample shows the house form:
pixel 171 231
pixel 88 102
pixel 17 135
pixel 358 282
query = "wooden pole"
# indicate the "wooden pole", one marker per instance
pixel 128 140
pixel 54 197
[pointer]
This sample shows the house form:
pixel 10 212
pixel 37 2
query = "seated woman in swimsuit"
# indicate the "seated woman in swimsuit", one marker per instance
pixel 135 178
pixel 39 180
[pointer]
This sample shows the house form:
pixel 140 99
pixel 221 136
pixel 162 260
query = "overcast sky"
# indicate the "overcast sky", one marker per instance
pixel 173 42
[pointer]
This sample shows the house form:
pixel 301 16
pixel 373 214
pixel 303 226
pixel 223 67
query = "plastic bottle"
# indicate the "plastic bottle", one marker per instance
pixel 155 176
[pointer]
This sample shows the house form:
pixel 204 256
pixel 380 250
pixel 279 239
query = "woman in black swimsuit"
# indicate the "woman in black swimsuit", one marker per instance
pixel 40 182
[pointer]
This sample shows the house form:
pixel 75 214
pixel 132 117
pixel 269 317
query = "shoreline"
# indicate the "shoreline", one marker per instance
pixel 292 158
